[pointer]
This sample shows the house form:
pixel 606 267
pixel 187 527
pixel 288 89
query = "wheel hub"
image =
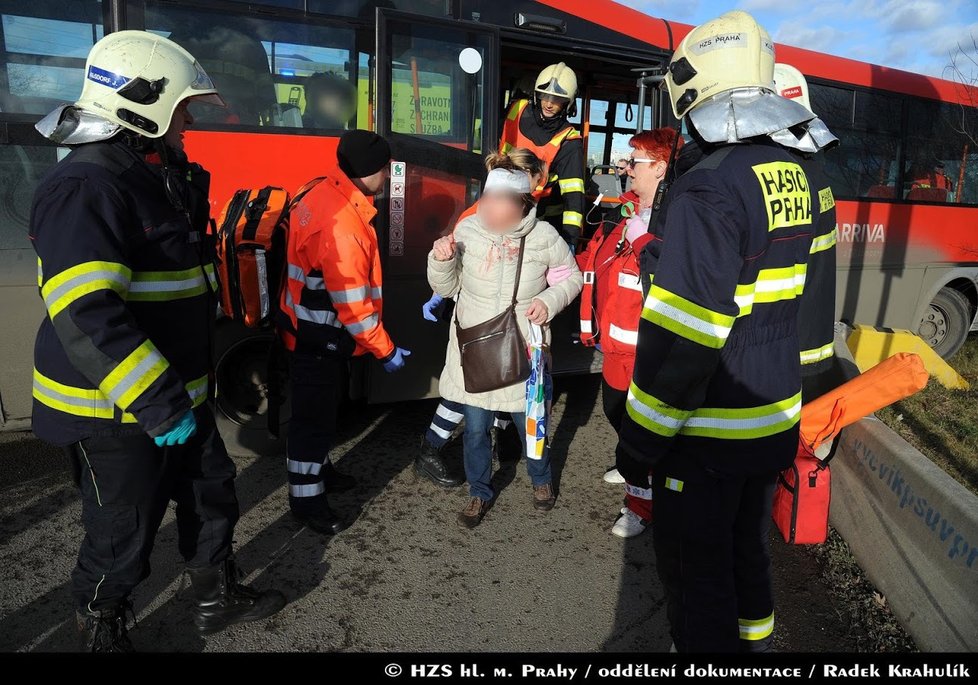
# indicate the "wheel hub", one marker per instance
pixel 933 328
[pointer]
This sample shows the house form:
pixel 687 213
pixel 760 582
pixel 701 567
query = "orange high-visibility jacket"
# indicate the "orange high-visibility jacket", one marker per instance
pixel 333 297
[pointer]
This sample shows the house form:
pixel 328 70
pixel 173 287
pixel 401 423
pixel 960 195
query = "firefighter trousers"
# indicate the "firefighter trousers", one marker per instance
pixel 316 385
pixel 710 534
pixel 126 483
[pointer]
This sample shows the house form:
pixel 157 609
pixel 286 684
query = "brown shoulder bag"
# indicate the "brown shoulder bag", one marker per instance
pixel 494 352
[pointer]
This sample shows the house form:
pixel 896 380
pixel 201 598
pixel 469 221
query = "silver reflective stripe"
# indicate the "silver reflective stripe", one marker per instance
pixel 317 316
pixel 640 493
pixel 119 390
pixel 312 282
pixel 348 296
pixel 306 468
pixel 307 490
pixel 138 286
pixel 81 279
pixel 368 324
pixel 449 415
pixel 197 390
pixel 86 403
pixel 440 432
pixel 622 335
pixel 377 293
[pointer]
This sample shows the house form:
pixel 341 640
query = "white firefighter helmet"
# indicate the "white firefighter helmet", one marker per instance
pixel 791 84
pixel 137 79
pixel 730 52
pixel 557 80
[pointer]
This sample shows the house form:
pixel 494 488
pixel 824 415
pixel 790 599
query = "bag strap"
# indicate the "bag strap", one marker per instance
pixel 519 270
pixel 301 192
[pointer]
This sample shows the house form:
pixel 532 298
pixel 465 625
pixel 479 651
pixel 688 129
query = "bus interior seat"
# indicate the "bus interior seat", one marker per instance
pixel 605 181
pixel 881 192
pixel 928 195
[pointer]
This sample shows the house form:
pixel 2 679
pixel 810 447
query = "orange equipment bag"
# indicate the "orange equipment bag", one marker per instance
pixel 252 252
pixel 803 492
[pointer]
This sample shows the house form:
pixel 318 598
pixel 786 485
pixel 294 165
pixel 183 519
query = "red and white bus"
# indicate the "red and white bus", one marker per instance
pixel 906 173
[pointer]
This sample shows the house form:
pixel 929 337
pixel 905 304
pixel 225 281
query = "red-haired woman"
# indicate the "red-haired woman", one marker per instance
pixel 611 303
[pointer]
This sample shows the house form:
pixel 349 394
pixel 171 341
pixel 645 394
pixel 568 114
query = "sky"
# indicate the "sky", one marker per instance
pixel 915 35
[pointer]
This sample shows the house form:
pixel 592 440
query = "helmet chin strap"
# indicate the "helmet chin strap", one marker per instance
pixel 171 181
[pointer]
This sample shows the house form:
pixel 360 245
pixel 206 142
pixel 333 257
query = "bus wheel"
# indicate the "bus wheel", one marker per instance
pixel 946 322
pixel 242 391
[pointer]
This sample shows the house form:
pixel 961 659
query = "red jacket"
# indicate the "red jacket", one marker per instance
pixel 611 302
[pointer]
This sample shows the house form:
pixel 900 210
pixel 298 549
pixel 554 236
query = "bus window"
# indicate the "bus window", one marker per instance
pixel 942 159
pixel 626 114
pixel 595 149
pixel 273 72
pixel 364 9
pixel 43 51
pixel 865 164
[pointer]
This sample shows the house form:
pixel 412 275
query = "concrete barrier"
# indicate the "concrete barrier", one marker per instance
pixel 912 528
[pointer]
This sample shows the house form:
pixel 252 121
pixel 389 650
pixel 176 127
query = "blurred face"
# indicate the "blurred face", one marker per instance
pixel 181 120
pixel 647 172
pixel 374 184
pixel 332 106
pixel 551 106
pixel 500 211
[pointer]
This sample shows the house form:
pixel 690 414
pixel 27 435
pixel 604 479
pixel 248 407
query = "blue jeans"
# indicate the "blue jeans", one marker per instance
pixel 478 453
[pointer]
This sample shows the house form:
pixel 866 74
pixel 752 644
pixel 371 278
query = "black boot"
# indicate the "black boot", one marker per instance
pixel 336 481
pixel 220 600
pixel 316 513
pixel 104 630
pixel 430 465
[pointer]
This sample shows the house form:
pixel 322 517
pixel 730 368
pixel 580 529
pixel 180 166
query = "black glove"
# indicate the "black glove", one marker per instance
pixel 634 471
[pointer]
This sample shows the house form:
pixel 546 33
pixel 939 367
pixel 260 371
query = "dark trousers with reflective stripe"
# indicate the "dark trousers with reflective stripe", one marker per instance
pixel 126 483
pixel 316 389
pixel 711 539
pixel 447 418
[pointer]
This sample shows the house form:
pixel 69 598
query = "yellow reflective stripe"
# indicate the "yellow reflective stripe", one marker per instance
pixel 574 219
pixel 653 414
pixel 134 375
pixel 824 242
pixel 80 280
pixel 744 423
pixel 772 285
pixel 197 389
pixel 40 273
pixel 162 286
pixel 674 484
pixel 571 185
pixel 756 629
pixel 686 318
pixel 818 354
pixel 89 403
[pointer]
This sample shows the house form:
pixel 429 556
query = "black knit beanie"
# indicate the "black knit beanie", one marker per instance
pixel 362 153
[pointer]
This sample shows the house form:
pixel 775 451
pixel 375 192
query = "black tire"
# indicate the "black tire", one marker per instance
pixel 946 322
pixel 242 391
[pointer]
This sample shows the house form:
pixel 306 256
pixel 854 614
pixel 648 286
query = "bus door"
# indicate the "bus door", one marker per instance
pixel 437 104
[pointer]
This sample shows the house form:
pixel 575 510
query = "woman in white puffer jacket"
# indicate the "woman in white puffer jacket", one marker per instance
pixel 477 266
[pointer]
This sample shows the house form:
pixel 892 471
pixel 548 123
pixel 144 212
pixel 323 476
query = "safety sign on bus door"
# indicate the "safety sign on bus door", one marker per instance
pixel 397 208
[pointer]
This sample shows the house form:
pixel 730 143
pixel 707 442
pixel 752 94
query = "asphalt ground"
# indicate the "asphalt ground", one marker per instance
pixel 404 576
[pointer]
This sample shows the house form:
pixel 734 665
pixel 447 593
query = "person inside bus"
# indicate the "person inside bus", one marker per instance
pixel 540 125
pixel 478 266
pixel 430 462
pixel 611 304
pixel 331 102
pixel 331 309
pixel 930 183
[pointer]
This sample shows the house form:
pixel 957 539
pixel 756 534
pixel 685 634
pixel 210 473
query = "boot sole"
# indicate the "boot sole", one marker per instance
pixel 427 475
pixel 336 528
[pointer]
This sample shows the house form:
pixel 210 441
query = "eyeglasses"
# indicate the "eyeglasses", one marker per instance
pixel 632 161
pixel 622 167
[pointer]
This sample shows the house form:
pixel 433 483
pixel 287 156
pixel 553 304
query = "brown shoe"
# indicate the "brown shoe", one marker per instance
pixel 473 513
pixel 543 497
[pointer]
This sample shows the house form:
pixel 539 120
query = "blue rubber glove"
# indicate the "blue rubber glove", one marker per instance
pixel 398 361
pixel 181 432
pixel 428 308
pixel 598 348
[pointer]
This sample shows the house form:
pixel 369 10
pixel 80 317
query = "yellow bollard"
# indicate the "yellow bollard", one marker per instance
pixel 870 346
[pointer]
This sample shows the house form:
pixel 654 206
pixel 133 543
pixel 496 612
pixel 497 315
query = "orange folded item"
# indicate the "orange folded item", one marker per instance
pixel 890 381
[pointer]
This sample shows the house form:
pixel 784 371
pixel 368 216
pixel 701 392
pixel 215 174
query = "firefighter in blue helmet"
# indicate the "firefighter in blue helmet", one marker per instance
pixel 715 399
pixel 122 360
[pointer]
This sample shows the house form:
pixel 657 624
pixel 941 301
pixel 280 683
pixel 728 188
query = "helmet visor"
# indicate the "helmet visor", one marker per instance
pixel 204 83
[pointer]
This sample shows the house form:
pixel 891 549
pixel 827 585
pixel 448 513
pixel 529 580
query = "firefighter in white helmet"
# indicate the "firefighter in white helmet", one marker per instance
pixel 715 397
pixel 122 359
pixel 816 307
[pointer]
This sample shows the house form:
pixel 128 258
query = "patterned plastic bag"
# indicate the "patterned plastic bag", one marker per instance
pixel 539 395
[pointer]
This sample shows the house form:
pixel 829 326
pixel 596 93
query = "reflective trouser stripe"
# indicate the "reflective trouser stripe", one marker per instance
pixel 305 468
pixel 573 218
pixel 80 280
pixel 162 286
pixel 686 318
pixel 134 375
pixel 756 629
pixel 307 490
pixel 674 484
pixel 818 354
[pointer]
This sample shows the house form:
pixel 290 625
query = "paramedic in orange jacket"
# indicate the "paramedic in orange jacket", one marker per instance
pixel 611 303
pixel 331 309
